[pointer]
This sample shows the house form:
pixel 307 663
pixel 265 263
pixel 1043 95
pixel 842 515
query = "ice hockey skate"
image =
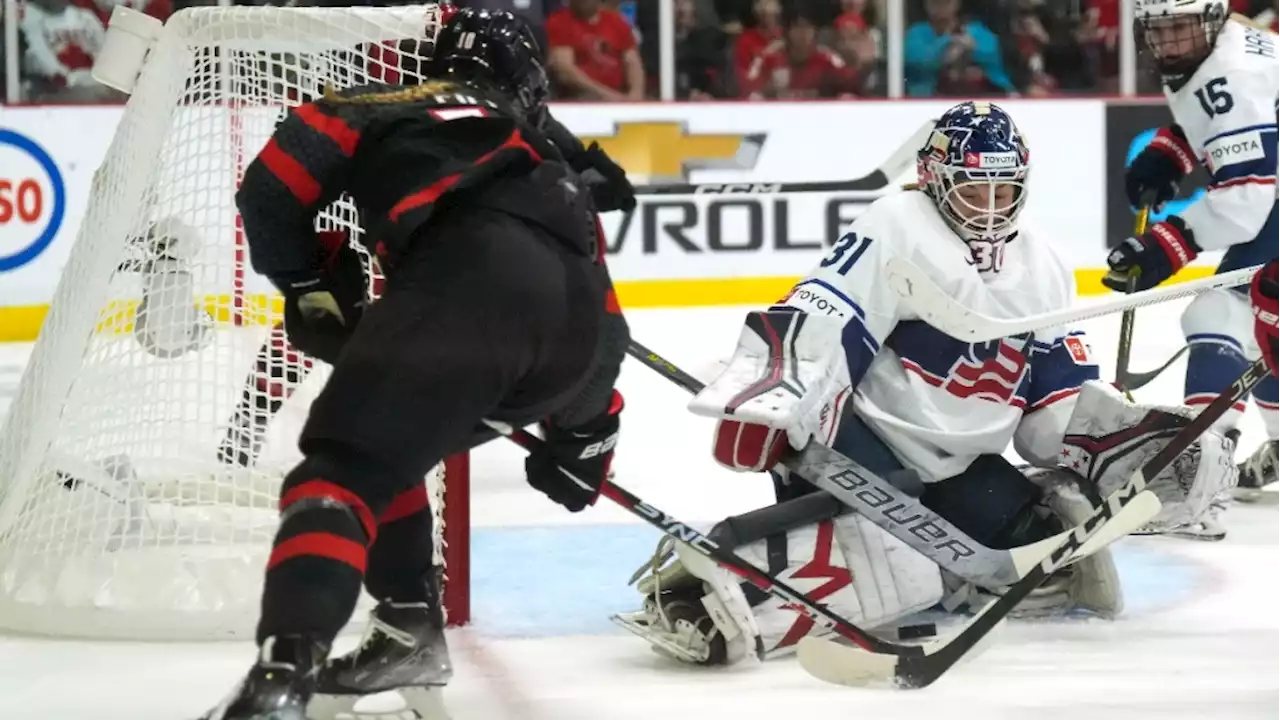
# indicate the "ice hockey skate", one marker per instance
pixel 1258 472
pixel 279 684
pixel 403 652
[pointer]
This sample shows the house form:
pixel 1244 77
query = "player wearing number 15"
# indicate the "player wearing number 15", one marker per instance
pixel 1220 77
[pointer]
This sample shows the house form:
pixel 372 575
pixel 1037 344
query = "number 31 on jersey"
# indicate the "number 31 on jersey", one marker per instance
pixel 846 252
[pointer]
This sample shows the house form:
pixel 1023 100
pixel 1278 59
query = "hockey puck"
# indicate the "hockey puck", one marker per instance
pixel 915 632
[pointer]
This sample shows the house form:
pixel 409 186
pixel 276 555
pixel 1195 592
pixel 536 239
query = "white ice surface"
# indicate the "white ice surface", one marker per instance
pixel 1201 638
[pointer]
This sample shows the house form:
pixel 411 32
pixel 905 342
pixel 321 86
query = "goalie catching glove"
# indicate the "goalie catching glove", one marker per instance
pixel 323 305
pixel 573 463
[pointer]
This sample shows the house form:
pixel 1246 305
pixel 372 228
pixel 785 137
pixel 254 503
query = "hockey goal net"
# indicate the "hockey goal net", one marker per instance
pixel 141 459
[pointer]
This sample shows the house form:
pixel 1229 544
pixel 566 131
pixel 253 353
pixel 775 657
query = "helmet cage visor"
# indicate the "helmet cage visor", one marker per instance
pixel 979 204
pixel 1179 43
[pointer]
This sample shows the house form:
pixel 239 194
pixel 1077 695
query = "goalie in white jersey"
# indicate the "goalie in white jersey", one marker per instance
pixel 1220 76
pixel 841 361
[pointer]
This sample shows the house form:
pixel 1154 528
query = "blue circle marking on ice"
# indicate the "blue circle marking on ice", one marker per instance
pixel 28 253
pixel 1173 207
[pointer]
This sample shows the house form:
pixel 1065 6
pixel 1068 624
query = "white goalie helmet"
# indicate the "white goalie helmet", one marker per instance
pixel 1179 34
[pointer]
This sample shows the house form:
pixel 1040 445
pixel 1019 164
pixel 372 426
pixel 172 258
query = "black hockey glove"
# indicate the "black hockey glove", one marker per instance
pixel 323 306
pixel 615 191
pixel 573 463
pixel 1158 254
pixel 1154 175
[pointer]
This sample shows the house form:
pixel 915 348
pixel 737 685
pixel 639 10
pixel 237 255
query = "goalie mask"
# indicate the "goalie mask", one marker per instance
pixel 1179 34
pixel 974 167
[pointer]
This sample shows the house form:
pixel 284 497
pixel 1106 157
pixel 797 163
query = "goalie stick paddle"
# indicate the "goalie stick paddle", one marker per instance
pixel 726 558
pixel 844 665
pixel 827 660
pixel 897 513
pixel 935 306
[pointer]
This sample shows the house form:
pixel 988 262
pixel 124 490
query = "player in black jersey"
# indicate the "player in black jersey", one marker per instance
pixel 279 369
pixel 497 305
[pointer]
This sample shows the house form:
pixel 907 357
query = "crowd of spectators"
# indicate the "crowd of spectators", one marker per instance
pixel 607 50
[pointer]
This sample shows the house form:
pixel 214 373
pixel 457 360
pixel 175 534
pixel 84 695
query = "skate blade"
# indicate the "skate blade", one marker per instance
pixel 415 703
pixel 660 643
pixel 1207 534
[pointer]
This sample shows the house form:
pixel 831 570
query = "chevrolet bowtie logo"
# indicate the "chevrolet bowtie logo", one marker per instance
pixel 666 152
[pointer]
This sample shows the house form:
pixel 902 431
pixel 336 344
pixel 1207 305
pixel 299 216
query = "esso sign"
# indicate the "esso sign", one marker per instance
pixel 32 200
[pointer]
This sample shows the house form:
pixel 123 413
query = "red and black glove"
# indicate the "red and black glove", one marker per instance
pixel 572 464
pixel 1262 294
pixel 323 304
pixel 1158 253
pixel 1154 175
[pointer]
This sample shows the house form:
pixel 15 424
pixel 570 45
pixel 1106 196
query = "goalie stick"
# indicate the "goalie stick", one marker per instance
pixel 830 661
pixel 893 510
pixel 938 308
pixel 915 666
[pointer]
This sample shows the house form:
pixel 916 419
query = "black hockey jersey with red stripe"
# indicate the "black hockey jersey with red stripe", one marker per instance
pixel 406 156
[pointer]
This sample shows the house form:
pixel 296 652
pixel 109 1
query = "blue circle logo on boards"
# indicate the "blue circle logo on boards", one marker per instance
pixel 22 201
pixel 1173 207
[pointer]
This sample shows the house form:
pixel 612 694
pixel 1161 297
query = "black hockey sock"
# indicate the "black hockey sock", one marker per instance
pixel 319 557
pixel 278 370
pixel 401 559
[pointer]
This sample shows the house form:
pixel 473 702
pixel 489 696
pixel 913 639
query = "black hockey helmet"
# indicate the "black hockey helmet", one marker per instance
pixel 495 49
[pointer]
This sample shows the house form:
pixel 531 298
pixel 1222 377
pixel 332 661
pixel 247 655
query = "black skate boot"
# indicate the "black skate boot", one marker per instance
pixel 279 685
pixel 1256 473
pixel 404 651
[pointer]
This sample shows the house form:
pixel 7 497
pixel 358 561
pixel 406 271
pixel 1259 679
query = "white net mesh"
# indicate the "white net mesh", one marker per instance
pixel 141 460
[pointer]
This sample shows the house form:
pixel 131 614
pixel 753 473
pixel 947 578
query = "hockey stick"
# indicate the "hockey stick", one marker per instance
pixel 726 558
pixel 1128 381
pixel 841 664
pixel 897 163
pixel 938 308
pixel 1126 319
pixel 1136 381
pixel 1118 516
pixel 896 512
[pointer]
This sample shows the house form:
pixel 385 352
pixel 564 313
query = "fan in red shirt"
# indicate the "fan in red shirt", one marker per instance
pixel 751 44
pixel 593 53
pixel 797 67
